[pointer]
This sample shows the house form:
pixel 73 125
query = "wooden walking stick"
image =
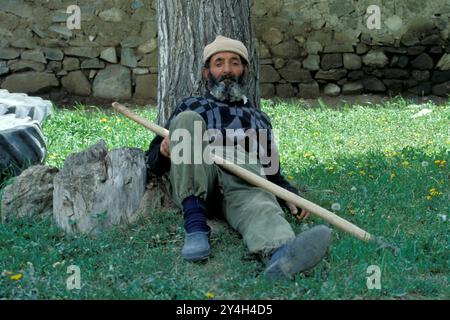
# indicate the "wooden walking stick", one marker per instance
pixel 281 193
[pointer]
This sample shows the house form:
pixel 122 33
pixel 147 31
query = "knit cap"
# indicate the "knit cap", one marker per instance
pixel 222 43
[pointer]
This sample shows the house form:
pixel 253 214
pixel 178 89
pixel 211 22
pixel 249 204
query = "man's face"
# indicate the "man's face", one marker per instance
pixel 226 76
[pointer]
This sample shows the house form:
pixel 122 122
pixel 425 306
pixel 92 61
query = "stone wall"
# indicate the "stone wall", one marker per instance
pixel 306 48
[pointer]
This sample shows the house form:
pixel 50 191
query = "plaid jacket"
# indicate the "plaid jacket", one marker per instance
pixel 219 115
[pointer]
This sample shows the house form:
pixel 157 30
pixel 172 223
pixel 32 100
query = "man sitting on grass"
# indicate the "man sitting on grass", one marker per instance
pixel 201 188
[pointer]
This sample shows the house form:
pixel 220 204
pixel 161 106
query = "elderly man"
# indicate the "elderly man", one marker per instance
pixel 201 188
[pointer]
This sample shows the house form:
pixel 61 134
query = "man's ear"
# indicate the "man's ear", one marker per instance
pixel 205 73
pixel 246 70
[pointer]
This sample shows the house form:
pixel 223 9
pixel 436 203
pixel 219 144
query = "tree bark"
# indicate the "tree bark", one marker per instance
pixel 184 29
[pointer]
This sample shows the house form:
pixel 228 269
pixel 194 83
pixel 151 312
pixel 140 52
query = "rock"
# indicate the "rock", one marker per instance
pixel 109 55
pixel 54 66
pixel 436 50
pixel 132 42
pixel 373 84
pixel 53 54
pixel 308 90
pixel 128 58
pixel 355 75
pixel 423 62
pixel 146 87
pixel 140 71
pixel 353 88
pixel 285 90
pixel 70 64
pixel 375 58
pixel 287 50
pixel 136 4
pixel 440 76
pixel 313 47
pixel 352 61
pixel 3 68
pixel 421 75
pixel 148 46
pixel 338 48
pixel 393 73
pixel 112 15
pixel 422 89
pixel 34 55
pixel 333 74
pixel 267 90
pixel 361 48
pixel 267 61
pixel 149 60
pixel 332 90
pixel 414 51
pixel 399 61
pixel 92 64
pixel 30 82
pixel 62 30
pixel 272 36
pixel 394 85
pixel 18 8
pixel 267 74
pixel 444 62
pixel 442 89
pixel 312 62
pixel 97 189
pixel 278 63
pixel 30 195
pixel 22 144
pixel 395 50
pixel 293 72
pixel 331 61
pixel 22 105
pixel 9 54
pixel 84 52
pixel 76 83
pixel 113 82
pixel 25 65
pixel 433 39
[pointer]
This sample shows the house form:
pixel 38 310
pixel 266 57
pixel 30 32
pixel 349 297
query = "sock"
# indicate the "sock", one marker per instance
pixel 194 213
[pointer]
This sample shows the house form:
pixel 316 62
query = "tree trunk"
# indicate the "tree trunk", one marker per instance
pixel 184 29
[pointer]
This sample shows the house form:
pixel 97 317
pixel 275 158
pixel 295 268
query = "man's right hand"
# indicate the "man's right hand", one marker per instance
pixel 164 147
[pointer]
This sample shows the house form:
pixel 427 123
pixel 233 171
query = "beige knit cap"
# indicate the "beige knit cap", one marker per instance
pixel 222 43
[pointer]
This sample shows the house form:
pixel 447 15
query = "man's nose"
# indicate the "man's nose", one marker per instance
pixel 226 69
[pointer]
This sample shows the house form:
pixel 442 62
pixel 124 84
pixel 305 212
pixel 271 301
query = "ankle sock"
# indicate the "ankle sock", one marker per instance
pixel 194 212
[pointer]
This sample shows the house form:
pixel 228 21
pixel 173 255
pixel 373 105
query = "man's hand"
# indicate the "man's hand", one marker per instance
pixel 164 147
pixel 303 215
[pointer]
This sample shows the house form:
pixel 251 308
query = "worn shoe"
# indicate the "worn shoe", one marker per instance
pixel 196 246
pixel 300 254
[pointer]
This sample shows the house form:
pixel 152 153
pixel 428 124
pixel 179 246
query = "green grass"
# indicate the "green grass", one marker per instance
pixel 376 162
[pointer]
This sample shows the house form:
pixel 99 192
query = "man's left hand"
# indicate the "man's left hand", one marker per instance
pixel 303 215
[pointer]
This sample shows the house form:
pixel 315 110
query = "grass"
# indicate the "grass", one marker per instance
pixel 375 165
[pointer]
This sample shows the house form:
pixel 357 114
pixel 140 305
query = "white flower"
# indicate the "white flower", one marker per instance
pixel 353 189
pixel 336 207
pixel 424 164
pixel 443 217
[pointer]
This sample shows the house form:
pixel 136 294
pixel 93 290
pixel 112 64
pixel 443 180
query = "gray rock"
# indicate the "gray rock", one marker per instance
pixel 109 55
pixel 352 61
pixel 442 89
pixel 61 30
pixel 293 72
pixel 9 54
pixel 54 66
pixel 34 55
pixel 353 88
pixel 355 75
pixel 421 75
pixel 70 64
pixel 423 62
pixel 308 90
pixel 92 64
pixel 148 46
pixel 146 87
pixel 17 7
pixel 267 90
pixel 38 31
pixel 267 61
pixel 313 47
pixel 373 84
pixel 433 39
pixel 76 83
pixel 23 106
pixel 272 36
pixel 333 74
pixel 440 76
pixel 53 54
pixel 331 61
pixel 375 58
pixel 399 61
pixel 361 48
pixel 436 50
pixel 278 63
pixel 444 62
pixel 31 194
pixel 114 82
pixel 97 189
pixel 393 73
pixel 394 85
pixel 286 50
pixel 312 62
pixel 414 51
pixel 285 90
pixel 395 50
pixel 332 90
pixel 112 15
pixel 132 42
pixel 267 74
pixel 3 69
pixel 422 89
pixel 128 58
pixel 149 60
pixel 84 52
pixel 338 48
pixel 25 65
pixel 136 4
pixel 30 82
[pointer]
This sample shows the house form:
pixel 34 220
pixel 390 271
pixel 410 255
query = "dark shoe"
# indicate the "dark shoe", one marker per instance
pixel 300 254
pixel 196 246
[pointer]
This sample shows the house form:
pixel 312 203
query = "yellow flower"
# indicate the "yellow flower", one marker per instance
pixel 290 178
pixel 362 172
pixel 393 175
pixel 405 163
pixel 104 120
pixel 16 277
pixel 119 120
pixel 428 197
pixel 210 295
pixel 371 176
